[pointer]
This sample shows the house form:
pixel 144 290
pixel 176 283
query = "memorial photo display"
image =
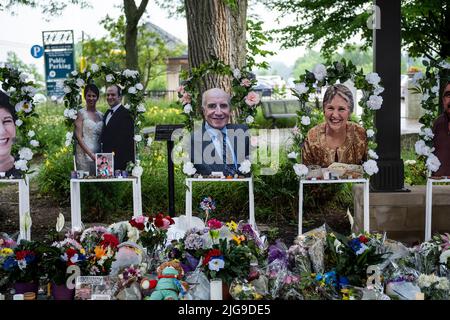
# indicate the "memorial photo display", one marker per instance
pixel 104 163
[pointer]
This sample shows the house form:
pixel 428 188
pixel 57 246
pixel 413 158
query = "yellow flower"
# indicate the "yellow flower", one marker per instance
pixel 99 252
pixel 82 251
pixel 232 225
pixel 238 239
pixel 6 252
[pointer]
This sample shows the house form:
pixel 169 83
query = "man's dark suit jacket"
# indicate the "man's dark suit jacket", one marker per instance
pixel 118 137
pixel 238 136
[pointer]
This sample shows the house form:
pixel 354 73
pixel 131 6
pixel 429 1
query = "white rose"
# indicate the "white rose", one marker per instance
pixel 141 108
pixel 23 77
pixel 370 133
pixel 372 154
pixel 370 167
pixel 435 89
pixel 237 73
pixel 422 149
pixel 378 90
pixel 130 73
pixel 138 138
pixel 320 72
pixel 374 102
pixel 80 83
pixel 187 108
pixel 109 78
pixel 19 122
pixel 300 169
pixel 443 258
pixel 433 163
pixel 249 120
pixel 292 155
pixel 26 153
pixel 427 134
pixel 373 78
pixel 301 88
pixel 189 169
pixel 29 90
pixel 132 90
pixel 67 90
pixel 31 133
pixel 137 171
pixel 127 106
pixel 34 143
pixel 306 121
pixel 245 166
pixel 94 68
pixel 21 165
pixel 139 86
pixel 149 141
pixel 70 113
pixel 74 73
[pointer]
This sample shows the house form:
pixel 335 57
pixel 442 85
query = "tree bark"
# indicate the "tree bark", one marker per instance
pixel 216 31
pixel 132 14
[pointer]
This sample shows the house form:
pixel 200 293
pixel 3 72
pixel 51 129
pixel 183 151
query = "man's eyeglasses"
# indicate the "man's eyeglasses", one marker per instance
pixel 222 106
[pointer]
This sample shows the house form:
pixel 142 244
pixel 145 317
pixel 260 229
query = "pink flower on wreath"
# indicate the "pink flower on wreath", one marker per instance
pixel 252 99
pixel 180 90
pixel 214 224
pixel 186 98
pixel 295 130
pixel 246 83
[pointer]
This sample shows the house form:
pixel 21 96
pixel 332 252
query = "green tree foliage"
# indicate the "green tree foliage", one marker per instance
pixel 50 7
pixel 111 49
pixel 30 69
pixel 332 24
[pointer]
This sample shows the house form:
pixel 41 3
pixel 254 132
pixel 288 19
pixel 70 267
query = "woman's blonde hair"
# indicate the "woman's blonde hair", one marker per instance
pixel 342 91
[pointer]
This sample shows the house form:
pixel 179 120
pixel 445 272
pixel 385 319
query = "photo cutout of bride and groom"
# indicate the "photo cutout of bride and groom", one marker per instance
pixel 104 142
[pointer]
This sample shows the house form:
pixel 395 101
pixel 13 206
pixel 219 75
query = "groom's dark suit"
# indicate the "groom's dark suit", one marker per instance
pixel 118 137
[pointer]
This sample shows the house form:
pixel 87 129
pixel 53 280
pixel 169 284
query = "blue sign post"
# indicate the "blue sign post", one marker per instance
pixel 37 51
pixel 59 60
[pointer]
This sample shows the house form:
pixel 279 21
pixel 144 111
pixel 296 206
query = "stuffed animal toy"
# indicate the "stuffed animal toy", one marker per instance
pixel 168 286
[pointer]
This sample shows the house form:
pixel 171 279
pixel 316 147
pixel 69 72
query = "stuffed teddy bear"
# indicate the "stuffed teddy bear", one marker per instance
pixel 168 286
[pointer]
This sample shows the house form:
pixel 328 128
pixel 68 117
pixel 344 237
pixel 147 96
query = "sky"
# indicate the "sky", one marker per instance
pixel 23 30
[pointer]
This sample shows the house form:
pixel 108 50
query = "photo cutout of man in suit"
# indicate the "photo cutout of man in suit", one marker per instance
pixel 218 146
pixel 118 130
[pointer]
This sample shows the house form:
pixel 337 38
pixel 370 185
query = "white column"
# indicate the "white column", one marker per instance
pixel 251 200
pixel 75 206
pixel 428 209
pixel 189 202
pixel 366 206
pixel 300 208
pixel 24 206
pixel 137 198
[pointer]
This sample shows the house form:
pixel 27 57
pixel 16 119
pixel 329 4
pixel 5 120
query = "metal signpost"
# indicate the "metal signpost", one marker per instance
pixel 59 59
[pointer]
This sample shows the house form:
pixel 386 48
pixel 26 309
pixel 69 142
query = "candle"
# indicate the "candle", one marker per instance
pixel 216 289
pixel 2 296
pixel 18 296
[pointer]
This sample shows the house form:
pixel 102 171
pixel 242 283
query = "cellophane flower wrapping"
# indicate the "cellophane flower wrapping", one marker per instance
pixel 244 290
pixel 199 286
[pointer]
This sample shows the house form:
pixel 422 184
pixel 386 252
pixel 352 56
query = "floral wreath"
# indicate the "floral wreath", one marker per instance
pixel 428 86
pixel 310 83
pixel 21 92
pixel 243 98
pixel 128 80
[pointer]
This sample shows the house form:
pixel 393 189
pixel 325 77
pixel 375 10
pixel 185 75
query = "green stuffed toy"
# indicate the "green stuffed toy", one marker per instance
pixel 169 286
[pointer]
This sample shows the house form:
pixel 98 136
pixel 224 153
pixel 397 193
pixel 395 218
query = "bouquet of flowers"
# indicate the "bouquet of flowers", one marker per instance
pixel 102 254
pixel 23 263
pixel 152 230
pixel 59 256
pixel 244 290
pixel 434 287
pixel 6 249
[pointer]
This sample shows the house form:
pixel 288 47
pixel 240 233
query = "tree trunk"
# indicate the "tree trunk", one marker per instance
pixel 132 14
pixel 216 31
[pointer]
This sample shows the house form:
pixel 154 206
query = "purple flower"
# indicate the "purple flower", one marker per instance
pixel 193 242
pixel 190 263
pixel 277 251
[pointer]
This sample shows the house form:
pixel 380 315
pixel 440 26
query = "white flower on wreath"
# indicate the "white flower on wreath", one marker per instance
pixel 23 77
pixel 443 258
pixel 425 97
pixel 433 163
pixel 237 73
pixel 109 78
pixel 139 86
pixel 24 106
pixel 138 138
pixel 80 82
pixel 74 73
pixel 31 133
pixel 373 78
pixel 187 108
pixel 370 133
pixel 249 120
pixel 427 134
pixel 374 102
pixel 21 165
pixel 29 90
pixel 370 167
pixel 67 90
pixel 130 73
pixel 69 137
pixel 422 149
pixel 301 88
pixel 70 113
pixel 189 169
pixel 378 90
pixel 34 143
pixel 141 108
pixel 19 122
pixel 319 71
pixel 306 121
pixel 373 154
pixel 137 170
pixel 435 89
pixel 292 155
pixel 300 169
pixel 94 67
pixel 132 90
pixel 245 166
pixel 26 153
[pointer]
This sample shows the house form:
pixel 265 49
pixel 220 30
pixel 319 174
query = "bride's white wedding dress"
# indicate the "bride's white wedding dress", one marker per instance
pixel 91 137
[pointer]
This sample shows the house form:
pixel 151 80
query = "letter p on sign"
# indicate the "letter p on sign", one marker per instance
pixel 37 51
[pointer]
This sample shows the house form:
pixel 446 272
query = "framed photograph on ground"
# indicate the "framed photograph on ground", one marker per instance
pixel 104 164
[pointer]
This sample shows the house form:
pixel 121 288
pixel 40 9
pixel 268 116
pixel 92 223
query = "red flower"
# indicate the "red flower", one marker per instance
pixel 20 255
pixel 363 239
pixel 162 222
pixel 210 254
pixel 214 224
pixel 137 225
pixel 109 240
